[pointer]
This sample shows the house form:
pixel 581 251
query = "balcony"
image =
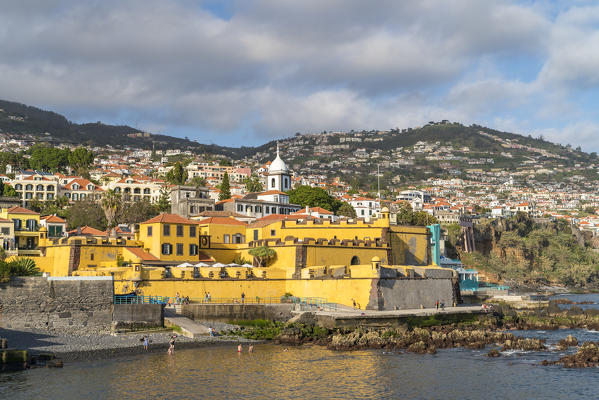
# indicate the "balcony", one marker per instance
pixel 28 252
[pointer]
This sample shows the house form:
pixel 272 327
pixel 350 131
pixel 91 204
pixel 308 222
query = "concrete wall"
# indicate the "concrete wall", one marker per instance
pixel 411 293
pixel 137 316
pixel 229 312
pixel 67 305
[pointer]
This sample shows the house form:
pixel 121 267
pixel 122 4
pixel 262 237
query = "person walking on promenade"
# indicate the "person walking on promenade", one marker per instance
pixel 205 297
pixel 354 301
pixel 242 297
pixel 209 297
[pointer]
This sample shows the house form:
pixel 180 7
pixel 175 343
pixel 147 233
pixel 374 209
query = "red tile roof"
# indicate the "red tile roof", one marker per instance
pixel 141 254
pixel 87 231
pixel 53 219
pixel 21 210
pixel 170 219
pixel 221 221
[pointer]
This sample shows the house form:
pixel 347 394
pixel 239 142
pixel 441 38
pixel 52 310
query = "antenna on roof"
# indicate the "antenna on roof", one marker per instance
pixel 277 148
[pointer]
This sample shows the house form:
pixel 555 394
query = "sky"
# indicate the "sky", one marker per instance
pixel 244 72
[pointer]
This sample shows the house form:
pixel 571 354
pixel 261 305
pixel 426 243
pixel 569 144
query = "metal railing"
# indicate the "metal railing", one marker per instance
pixel 308 302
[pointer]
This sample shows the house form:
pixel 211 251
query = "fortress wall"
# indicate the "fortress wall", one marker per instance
pixel 230 312
pixel 66 305
pixel 414 293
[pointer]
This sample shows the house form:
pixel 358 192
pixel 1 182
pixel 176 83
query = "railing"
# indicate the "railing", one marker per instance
pixel 307 302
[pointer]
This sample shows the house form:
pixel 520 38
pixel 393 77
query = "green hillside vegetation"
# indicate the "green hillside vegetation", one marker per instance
pixel 521 250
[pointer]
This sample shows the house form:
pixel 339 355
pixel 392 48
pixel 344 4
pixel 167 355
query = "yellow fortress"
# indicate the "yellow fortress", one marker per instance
pixel 375 264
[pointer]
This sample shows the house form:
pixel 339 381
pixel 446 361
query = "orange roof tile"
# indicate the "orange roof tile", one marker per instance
pixel 221 221
pixel 21 210
pixel 141 254
pixel 170 219
pixel 54 219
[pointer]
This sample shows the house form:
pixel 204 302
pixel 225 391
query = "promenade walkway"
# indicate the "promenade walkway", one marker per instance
pixel 189 328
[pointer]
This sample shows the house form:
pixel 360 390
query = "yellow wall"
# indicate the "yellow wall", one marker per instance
pixel 153 244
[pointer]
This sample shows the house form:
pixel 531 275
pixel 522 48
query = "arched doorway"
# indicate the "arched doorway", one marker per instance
pixel 355 260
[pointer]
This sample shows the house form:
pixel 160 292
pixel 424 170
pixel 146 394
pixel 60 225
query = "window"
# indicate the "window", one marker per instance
pixel 29 187
pixel 193 249
pixel 18 224
pixel 91 257
pixel 166 230
pixel 49 196
pixel 255 234
pixel 31 225
pixel 6 231
pixel 272 183
pixel 355 260
pixel 137 190
pixel 18 186
pixel 192 231
pixel 179 249
pixel 273 232
pixel 167 248
pixel 150 230
pixel 75 196
pixel 179 230
pixel 237 238
pixel 50 187
pixel 68 195
pixel 239 207
pixel 39 187
pixel 226 239
pixel 28 195
pixel 146 191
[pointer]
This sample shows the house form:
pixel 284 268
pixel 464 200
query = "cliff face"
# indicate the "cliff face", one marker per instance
pixel 527 251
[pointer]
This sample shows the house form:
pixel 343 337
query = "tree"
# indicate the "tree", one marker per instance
pixel 225 188
pixel 80 159
pixel 252 184
pixel 262 255
pixel 406 216
pixel 48 158
pixel 177 175
pixel 164 201
pixel 136 212
pixel 9 191
pixel 314 197
pixel 111 201
pixel 198 181
pixel 86 213
pixel 346 210
pixel 224 162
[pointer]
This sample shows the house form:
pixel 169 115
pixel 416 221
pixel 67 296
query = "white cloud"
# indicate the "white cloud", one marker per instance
pixel 280 66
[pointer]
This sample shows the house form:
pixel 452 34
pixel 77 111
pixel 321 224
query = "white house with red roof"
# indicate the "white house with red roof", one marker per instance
pixel 316 212
pixel 80 189
pixel 365 207
pixel 55 225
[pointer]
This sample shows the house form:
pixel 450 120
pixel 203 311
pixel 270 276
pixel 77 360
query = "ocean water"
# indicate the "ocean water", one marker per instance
pixel 311 372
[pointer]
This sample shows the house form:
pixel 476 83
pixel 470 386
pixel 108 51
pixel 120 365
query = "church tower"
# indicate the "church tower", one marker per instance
pixel 278 175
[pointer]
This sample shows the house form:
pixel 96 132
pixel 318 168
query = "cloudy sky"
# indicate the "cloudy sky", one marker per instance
pixel 243 72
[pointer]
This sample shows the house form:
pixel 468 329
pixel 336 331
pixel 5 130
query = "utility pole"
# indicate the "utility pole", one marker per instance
pixel 378 181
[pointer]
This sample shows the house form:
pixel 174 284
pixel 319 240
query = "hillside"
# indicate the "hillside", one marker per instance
pixel 438 149
pixel 16 118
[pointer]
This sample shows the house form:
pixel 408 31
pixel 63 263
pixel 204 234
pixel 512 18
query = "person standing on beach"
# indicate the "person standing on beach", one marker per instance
pixel 251 348
pixel 239 348
pixel 146 342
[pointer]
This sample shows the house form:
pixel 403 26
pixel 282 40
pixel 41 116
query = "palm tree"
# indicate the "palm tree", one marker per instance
pixel 110 204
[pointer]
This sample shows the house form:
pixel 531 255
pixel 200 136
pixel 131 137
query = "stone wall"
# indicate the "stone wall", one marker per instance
pixel 391 294
pixel 75 305
pixel 137 316
pixel 229 312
